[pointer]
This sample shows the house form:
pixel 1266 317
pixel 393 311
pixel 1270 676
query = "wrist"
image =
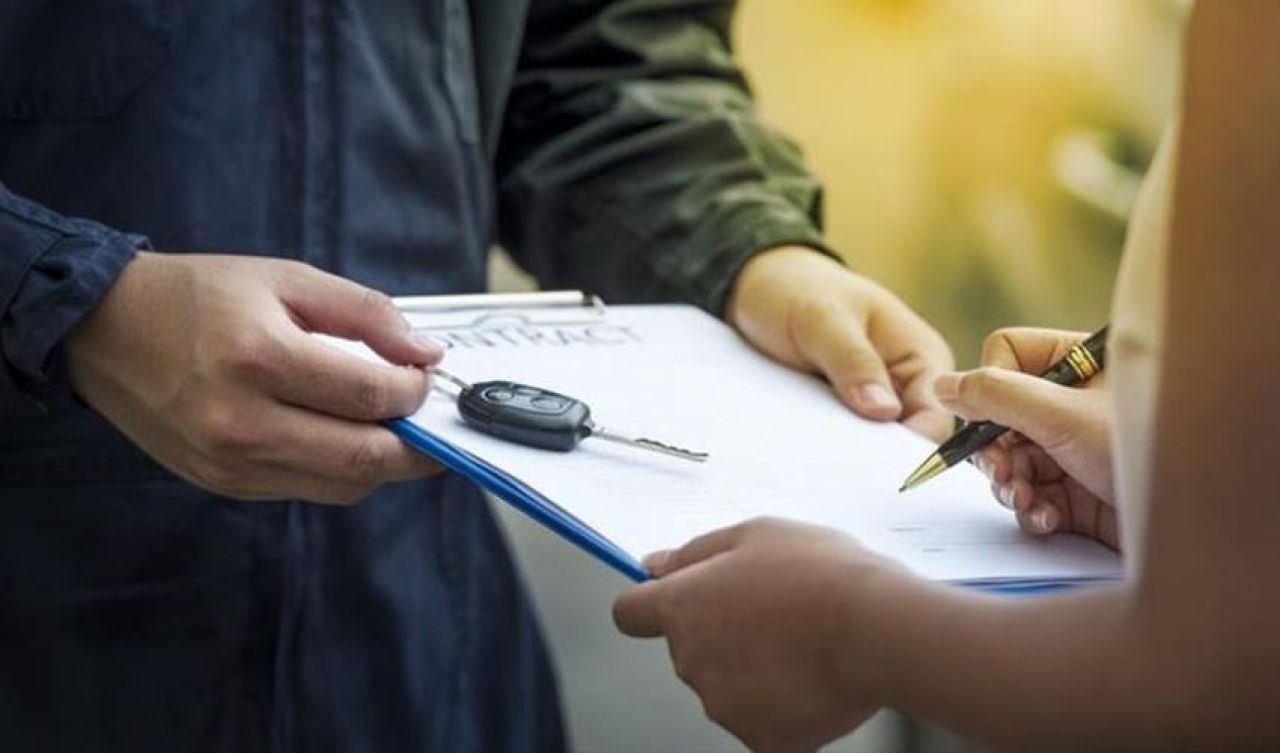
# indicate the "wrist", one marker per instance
pixel 80 343
pixel 763 271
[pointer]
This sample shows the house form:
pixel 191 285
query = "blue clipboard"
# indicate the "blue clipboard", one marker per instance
pixel 537 506
pixel 517 494
pixel 564 524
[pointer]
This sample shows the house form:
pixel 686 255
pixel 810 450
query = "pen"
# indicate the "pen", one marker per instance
pixel 1078 366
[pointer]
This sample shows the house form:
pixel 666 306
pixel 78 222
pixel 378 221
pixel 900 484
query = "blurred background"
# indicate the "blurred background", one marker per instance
pixel 980 159
pixel 980 156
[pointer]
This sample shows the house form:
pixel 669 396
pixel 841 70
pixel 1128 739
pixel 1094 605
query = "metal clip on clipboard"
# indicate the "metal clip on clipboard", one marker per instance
pixel 552 299
pixel 479 311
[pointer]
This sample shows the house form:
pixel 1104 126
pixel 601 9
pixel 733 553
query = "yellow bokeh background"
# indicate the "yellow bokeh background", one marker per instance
pixel 979 156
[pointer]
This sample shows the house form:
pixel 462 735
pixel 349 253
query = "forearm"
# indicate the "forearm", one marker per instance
pixel 645 175
pixel 1085 671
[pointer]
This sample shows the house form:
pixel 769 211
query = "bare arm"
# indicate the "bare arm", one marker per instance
pixel 1191 655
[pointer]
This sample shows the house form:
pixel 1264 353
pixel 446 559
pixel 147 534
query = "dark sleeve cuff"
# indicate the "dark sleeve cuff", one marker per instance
pixel 713 284
pixel 53 272
pixel 699 263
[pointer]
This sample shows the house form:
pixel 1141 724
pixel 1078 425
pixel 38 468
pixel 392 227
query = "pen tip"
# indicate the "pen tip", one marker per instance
pixel 930 468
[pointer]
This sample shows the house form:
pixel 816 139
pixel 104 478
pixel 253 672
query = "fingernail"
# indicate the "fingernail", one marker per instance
pixel 876 395
pixel 656 563
pixel 983 466
pixel 431 345
pixel 1040 521
pixel 947 386
pixel 1007 496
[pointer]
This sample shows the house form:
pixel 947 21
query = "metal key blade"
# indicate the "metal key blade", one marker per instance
pixel 456 381
pixel 647 444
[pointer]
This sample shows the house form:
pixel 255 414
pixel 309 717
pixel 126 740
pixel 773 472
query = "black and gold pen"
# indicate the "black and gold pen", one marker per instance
pixel 1078 366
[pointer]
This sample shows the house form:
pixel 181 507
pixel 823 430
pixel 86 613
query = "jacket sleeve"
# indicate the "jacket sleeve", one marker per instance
pixel 632 161
pixel 53 271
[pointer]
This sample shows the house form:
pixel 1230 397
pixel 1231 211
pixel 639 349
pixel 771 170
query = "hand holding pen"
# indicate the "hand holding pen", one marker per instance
pixel 1054 468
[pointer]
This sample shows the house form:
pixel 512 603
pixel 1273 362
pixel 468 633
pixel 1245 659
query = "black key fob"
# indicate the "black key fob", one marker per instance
pixel 525 415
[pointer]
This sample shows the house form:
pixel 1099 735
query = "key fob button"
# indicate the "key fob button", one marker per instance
pixel 549 404
pixel 499 394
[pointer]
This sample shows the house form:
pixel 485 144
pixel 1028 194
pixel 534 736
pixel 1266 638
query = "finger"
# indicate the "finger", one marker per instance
pixel 316 375
pixel 1003 494
pixel 1020 494
pixel 265 482
pixel 993 461
pixel 1010 439
pixel 1040 519
pixel 703 548
pixel 326 303
pixel 1021 465
pixel 658 564
pixel 637 613
pixel 1040 410
pixel 1080 512
pixel 344 452
pixel 1030 461
pixel 1028 349
pixel 1040 509
pixel 335 487
pixel 936 424
pixel 1106 528
pixel 913 377
pixel 838 346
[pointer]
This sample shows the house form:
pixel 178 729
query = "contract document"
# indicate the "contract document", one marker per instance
pixel 780 445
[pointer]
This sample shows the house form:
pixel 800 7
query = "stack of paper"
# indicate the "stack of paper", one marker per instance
pixel 780 445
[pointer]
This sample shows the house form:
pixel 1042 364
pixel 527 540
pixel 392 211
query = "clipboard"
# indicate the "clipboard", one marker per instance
pixel 470 317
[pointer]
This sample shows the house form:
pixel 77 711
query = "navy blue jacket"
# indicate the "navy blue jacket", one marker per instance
pixel 608 145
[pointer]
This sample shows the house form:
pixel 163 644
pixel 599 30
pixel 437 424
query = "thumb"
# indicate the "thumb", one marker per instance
pixel 638 611
pixel 326 303
pixel 839 348
pixel 663 563
pixel 1040 410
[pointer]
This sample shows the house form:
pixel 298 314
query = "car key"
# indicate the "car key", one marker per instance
pixel 536 417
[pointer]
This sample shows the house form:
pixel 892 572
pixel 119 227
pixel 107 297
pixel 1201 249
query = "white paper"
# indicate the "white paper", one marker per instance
pixel 780 444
